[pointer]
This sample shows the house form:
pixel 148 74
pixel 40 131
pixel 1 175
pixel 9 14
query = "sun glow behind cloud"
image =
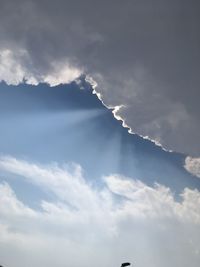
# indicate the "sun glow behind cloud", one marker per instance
pixel 91 207
pixel 65 123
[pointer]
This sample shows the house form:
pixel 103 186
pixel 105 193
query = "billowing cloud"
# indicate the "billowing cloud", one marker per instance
pixel 144 57
pixel 122 220
pixel 192 165
pixel 15 68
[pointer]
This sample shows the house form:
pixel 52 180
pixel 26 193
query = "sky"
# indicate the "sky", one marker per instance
pixel 99 133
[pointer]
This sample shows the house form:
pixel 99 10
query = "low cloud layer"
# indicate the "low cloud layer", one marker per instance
pixel 143 55
pixel 86 225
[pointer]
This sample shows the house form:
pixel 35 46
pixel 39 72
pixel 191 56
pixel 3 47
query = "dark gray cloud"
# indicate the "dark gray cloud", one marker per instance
pixel 144 55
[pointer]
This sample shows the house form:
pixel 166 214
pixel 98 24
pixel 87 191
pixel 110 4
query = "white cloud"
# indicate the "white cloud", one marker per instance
pixel 10 204
pixel 61 74
pixel 11 69
pixel 16 67
pixel 124 220
pixel 192 165
pixel 67 183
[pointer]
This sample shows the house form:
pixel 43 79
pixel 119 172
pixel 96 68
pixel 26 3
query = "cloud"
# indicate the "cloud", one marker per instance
pixel 192 165
pixel 150 68
pixel 122 220
pixel 10 203
pixel 15 68
pixel 65 184
pixel 11 69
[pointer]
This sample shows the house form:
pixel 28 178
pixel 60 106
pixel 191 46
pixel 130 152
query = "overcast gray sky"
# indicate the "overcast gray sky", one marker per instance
pixel 144 55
